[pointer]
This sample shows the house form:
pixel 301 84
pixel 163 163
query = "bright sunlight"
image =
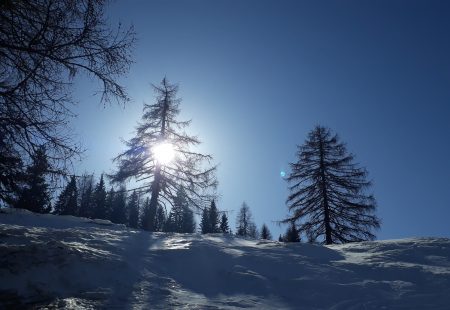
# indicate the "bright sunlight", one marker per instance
pixel 164 153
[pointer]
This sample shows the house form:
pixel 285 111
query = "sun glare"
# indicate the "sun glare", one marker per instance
pixel 164 153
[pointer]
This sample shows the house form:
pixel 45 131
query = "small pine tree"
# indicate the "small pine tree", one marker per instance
pixel 253 231
pixel 119 209
pixel 280 239
pixel 213 218
pixel 67 200
pixel 204 222
pixel 224 227
pixel 133 210
pixel 292 234
pixel 86 195
pixel 245 227
pixel 99 200
pixel 146 222
pixel 34 195
pixel 109 203
pixel 160 220
pixel 265 232
pixel 188 225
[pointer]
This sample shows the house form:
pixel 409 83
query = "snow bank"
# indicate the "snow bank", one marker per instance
pixel 66 262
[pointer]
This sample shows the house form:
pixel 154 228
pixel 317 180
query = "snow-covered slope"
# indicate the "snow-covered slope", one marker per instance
pixel 67 262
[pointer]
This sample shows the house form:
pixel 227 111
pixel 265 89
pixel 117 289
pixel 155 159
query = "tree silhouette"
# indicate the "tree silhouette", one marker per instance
pixel 133 210
pixel 187 172
pixel 43 46
pixel 245 227
pixel 34 194
pixel 67 200
pixel 119 207
pixel 328 192
pixel 99 200
pixel 292 234
pixel 85 193
pixel 224 227
pixel 265 232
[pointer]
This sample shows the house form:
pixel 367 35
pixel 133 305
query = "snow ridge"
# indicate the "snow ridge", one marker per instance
pixel 74 263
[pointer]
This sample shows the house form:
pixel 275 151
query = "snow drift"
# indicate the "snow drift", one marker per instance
pixel 66 262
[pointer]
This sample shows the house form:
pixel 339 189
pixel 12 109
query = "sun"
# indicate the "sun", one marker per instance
pixel 164 153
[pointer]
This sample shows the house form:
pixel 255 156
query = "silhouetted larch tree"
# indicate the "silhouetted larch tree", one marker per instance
pixel 34 194
pixel 328 192
pixel 159 126
pixel 67 200
pixel 245 227
pixel 265 232
pixel 43 46
pixel 224 227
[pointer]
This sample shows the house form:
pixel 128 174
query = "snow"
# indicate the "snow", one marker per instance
pixel 67 262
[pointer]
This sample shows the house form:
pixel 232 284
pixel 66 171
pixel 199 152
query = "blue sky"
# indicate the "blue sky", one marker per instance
pixel 257 76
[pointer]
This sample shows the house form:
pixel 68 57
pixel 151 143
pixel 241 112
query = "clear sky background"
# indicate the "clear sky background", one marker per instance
pixel 257 76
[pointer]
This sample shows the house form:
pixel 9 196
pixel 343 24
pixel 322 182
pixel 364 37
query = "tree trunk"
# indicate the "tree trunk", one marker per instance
pixel 326 211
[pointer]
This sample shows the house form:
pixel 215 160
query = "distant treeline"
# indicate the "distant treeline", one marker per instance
pixel 84 196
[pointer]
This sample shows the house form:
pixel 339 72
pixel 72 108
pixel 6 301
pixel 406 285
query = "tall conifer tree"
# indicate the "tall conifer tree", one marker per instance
pixel 328 192
pixel 34 194
pixel 160 129
pixel 133 210
pixel 67 203
pixel 224 227
pixel 99 200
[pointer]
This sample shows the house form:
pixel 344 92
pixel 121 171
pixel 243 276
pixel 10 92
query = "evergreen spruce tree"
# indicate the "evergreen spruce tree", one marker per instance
pixel 133 210
pixel 109 203
pixel 171 222
pixel 85 192
pixel 253 231
pixel 204 221
pixel 213 218
pixel 292 234
pixel 34 194
pixel 148 220
pixel 245 227
pixel 99 200
pixel 265 232
pixel 11 171
pixel 328 192
pixel 181 217
pixel 146 224
pixel 119 207
pixel 188 224
pixel 67 200
pixel 280 239
pixel 160 220
pixel 224 227
pixel 158 130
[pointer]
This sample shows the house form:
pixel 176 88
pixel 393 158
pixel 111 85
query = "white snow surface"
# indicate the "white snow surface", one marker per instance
pixel 64 262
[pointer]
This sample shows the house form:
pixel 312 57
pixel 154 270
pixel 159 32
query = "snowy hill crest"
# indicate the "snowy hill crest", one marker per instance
pixel 66 262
